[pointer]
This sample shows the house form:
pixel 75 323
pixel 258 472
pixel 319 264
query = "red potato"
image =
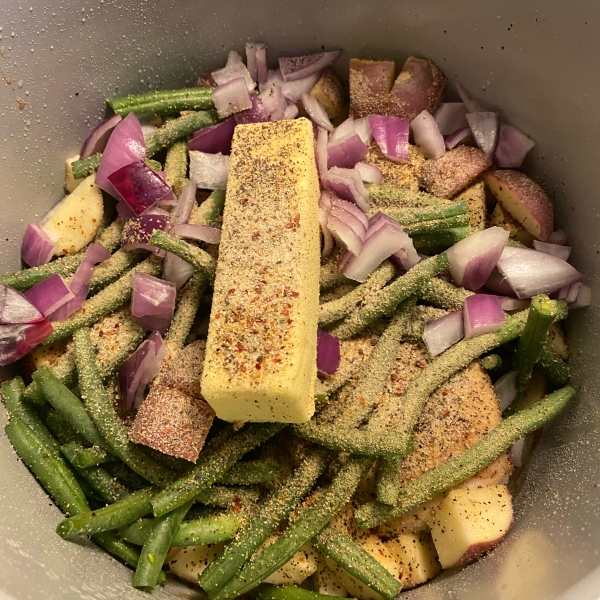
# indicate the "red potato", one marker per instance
pixel 328 91
pixel 500 217
pixel 418 87
pixel 524 199
pixel 471 522
pixel 173 423
pixel 448 175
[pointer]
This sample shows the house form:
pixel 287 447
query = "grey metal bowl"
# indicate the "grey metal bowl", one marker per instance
pixel 535 60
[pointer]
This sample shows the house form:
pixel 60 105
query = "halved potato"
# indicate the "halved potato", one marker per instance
pixel 524 199
pixel 474 196
pixel 370 82
pixel 75 220
pixel 325 581
pixel 500 217
pixel 328 91
pixel 302 565
pixel 416 558
pixel 190 561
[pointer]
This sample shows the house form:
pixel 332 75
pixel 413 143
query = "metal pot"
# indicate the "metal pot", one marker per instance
pixel 535 60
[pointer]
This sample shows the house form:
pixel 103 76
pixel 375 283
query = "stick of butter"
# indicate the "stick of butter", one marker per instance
pixel 262 340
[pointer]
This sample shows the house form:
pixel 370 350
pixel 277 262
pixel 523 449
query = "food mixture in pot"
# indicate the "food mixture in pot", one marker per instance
pixel 289 335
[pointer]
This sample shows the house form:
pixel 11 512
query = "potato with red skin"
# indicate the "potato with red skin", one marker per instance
pixel 500 217
pixel 524 199
pixel 329 92
pixel 470 522
pixel 448 175
pixel 418 87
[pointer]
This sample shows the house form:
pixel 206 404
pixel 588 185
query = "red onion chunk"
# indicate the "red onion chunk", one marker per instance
pixel 153 302
pixel 369 173
pixel 316 112
pixel 460 136
pixel 328 242
pixel 391 135
pixel 512 148
pixel 125 146
pixel 444 332
pixel 96 141
pixel 70 307
pixel 251 59
pixel 137 231
pixel 328 352
pixel 140 369
pixel 321 151
pixel 22 326
pixel 231 97
pixel 345 235
pixel 407 257
pixel 49 294
pixel 273 102
pixel 298 67
pixel 234 69
pixel 293 90
pixel 558 237
pixel 506 389
pixel 349 207
pixel 342 132
pixel 529 272
pixel 274 79
pixel 385 241
pixel 347 184
pixel 473 258
pixel 255 114
pixel 176 269
pixel 509 303
pixel 472 105
pixel 557 250
pixel 202 233
pixel 124 211
pixel 427 135
pixel 482 314
pixel 290 112
pixel 362 127
pixel 37 247
pixel 214 139
pixel 262 70
pixel 347 153
pixel 451 116
pixel 139 186
pixel 485 127
pixel 95 253
pixel 498 283
pixel 185 204
pixel 583 295
pixel 209 171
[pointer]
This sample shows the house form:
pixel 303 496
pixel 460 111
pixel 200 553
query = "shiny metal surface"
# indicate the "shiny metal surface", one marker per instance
pixel 536 60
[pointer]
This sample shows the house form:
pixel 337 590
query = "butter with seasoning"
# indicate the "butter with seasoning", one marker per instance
pixel 261 350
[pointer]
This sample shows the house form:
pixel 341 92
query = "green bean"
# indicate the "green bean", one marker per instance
pixel 67 404
pixel 403 197
pixel 155 142
pixel 110 237
pixel 542 313
pixel 201 260
pixel 409 216
pixel 111 269
pixel 210 210
pixel 12 392
pixel 228 497
pixel 163 102
pixel 101 410
pixel 178 128
pixel 153 164
pixel 554 368
pixel 442 238
pixel 330 275
pixel 216 458
pixel 59 428
pixel 208 530
pixel 122 550
pixel 125 511
pixel 100 480
pixel 156 547
pixel 464 465
pixel 276 508
pixel 388 298
pixel 251 471
pixel 104 302
pixel 82 458
pixel 288 592
pixel 405 414
pixel 176 166
pixel 436 225
pixel 358 562
pixel 491 362
pixel 443 294
pixel 43 463
pixel 312 520
pixel 330 312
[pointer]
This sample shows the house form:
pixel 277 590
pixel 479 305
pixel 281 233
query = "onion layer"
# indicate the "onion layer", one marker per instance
pixel 328 352
pixel 482 314
pixel 37 247
pixel 444 332
pixel 153 302
pixel 391 135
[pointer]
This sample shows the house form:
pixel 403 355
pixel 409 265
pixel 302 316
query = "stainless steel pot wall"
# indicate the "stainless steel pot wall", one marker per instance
pixel 536 60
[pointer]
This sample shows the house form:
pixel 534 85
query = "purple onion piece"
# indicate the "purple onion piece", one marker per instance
pixel 37 247
pixel 202 233
pixel 391 135
pixel 328 352
pixel 485 127
pixel 316 112
pixel 49 294
pixel 512 147
pixel 451 116
pixel 444 332
pixel 482 314
pixel 153 302
pixel 96 141
pixel 299 67
pixel 214 139
pixel 232 97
